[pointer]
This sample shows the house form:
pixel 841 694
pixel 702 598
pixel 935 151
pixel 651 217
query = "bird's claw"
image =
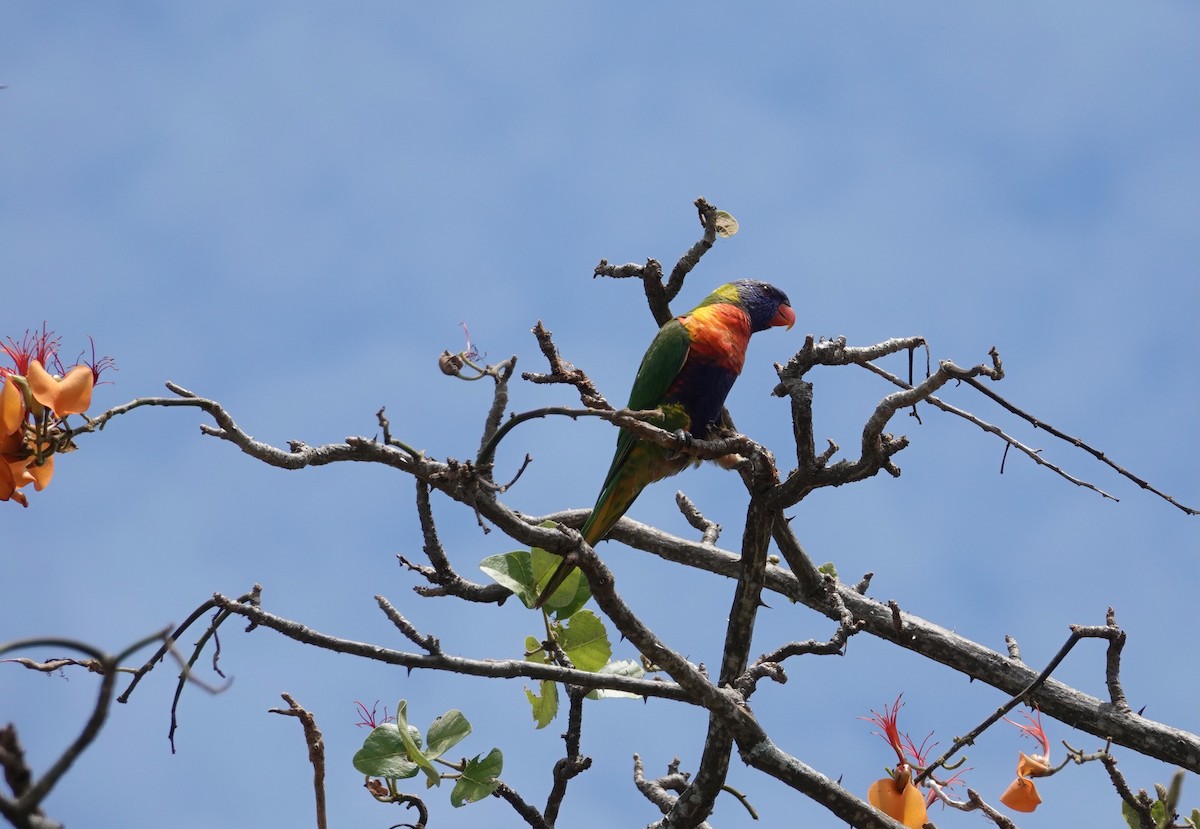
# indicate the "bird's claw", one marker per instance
pixel 683 441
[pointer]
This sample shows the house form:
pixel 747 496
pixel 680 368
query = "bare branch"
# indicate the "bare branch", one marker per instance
pixel 1116 638
pixel 562 371
pixel 442 573
pixel 496 668
pixel 710 530
pixel 1074 441
pixel 1066 704
pixel 25 809
pixel 574 763
pixel 707 214
pixel 1011 442
pixel 658 791
pixel 429 644
pixel 316 750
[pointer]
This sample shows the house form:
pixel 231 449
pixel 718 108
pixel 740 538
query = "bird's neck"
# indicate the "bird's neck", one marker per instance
pixel 719 333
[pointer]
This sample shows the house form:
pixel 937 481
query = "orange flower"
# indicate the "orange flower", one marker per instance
pixel 33 406
pixel 1022 795
pixel 899 799
pixel 72 394
pixel 896 796
pixel 12 411
pixel 13 476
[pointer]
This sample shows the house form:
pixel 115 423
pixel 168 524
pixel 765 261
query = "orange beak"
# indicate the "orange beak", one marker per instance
pixel 784 316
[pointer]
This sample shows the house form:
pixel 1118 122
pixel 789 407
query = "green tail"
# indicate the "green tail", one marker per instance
pixel 634 468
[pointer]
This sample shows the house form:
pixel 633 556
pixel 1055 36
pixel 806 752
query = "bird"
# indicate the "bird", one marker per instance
pixel 685 374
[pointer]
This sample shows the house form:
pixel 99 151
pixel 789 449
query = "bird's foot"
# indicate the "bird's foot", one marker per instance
pixel 683 441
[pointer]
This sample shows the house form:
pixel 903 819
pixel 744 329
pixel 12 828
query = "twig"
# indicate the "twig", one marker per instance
pixel 562 371
pixel 254 597
pixel 1074 441
pixel 496 668
pixel 658 791
pixel 710 531
pixel 770 664
pixel 573 763
pixel 1026 694
pixel 429 644
pixel 28 802
pixel 185 674
pixel 316 750
pixel 977 802
pixel 527 812
pixel 442 573
pixel 707 214
pixel 1009 441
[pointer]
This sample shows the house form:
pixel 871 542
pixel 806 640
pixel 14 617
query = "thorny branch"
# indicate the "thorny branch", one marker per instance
pixel 1116 640
pixel 455 480
pixel 730 722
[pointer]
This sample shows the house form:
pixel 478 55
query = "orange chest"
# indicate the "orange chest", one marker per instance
pixel 719 333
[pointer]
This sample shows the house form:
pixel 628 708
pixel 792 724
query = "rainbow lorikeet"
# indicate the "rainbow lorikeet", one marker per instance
pixel 686 374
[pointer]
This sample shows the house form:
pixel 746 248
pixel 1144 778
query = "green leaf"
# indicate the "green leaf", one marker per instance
pixel 384 754
pixel 1195 818
pixel 725 224
pixel 526 572
pixel 828 569
pixel 514 571
pixel 585 641
pixel 445 732
pixel 571 595
pixel 624 667
pixel 413 747
pixel 1158 813
pixel 545 706
pixel 479 779
pixel 1174 792
pixel 1130 815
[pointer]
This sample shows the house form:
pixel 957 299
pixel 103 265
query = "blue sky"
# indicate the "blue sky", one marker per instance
pixel 291 207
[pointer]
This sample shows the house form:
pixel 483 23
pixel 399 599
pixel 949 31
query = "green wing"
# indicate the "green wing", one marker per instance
pixel 663 361
pixel 661 365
